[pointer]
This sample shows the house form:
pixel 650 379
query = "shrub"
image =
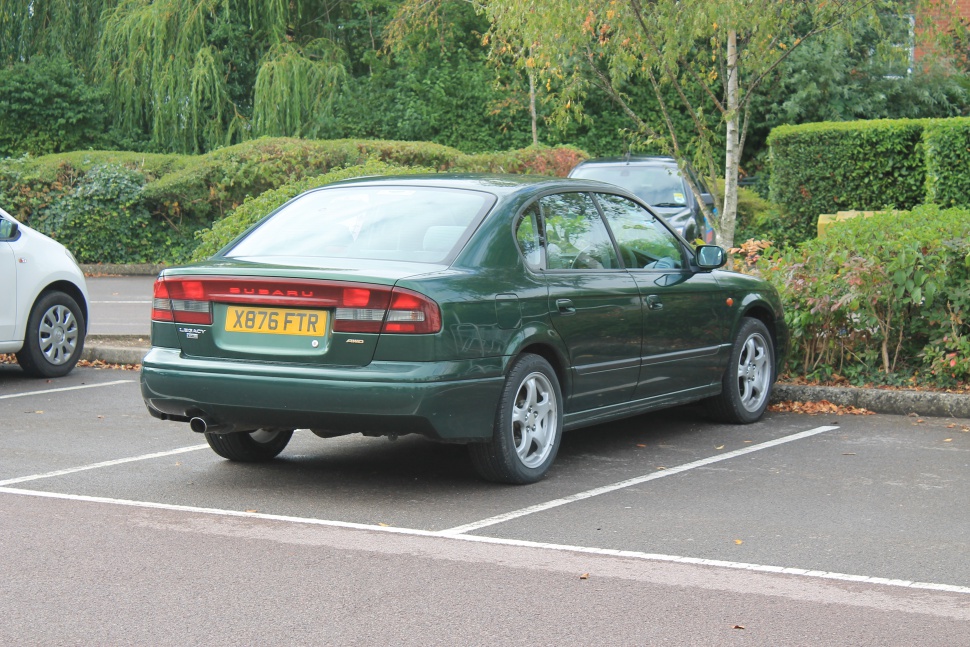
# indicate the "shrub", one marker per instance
pixel 947 145
pixel 105 220
pixel 253 209
pixel 46 107
pixel 828 167
pixel 880 298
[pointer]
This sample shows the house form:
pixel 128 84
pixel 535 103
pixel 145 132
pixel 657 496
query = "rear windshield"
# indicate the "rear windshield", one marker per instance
pixel 658 186
pixel 420 224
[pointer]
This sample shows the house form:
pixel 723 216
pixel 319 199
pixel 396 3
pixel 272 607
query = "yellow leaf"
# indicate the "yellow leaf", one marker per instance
pixel 738 541
pixel 584 576
pixel 38 412
pixel 948 440
pixel 384 525
pixel 719 447
pixel 252 511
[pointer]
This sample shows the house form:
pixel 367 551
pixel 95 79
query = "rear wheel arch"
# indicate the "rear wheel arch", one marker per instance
pixel 552 355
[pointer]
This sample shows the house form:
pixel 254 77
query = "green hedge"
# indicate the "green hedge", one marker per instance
pixel 828 167
pixel 884 299
pixel 183 194
pixel 947 145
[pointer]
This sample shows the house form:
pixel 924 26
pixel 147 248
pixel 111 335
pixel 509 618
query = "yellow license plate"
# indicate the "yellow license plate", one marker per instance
pixel 275 321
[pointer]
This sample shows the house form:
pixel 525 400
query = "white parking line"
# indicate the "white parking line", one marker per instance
pixel 94 466
pixel 654 557
pixel 65 388
pixel 144 301
pixel 507 516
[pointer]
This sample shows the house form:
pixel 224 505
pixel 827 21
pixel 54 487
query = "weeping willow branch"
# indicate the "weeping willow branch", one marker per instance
pixel 296 87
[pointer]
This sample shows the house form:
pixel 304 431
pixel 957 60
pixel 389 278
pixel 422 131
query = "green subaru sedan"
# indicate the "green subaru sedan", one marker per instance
pixel 494 311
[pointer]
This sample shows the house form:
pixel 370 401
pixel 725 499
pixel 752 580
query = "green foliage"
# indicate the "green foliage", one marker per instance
pixel 829 167
pixel 67 29
pixel 106 220
pixel 947 144
pixel 862 72
pixel 295 88
pixel 47 107
pixel 254 209
pixel 185 193
pixel 878 299
pixel 164 77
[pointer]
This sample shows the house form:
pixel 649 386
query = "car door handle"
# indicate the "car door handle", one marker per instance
pixel 654 303
pixel 565 306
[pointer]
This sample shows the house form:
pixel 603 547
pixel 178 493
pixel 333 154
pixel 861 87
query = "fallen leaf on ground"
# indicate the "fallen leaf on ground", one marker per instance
pixel 739 626
pixel 815 408
pixel 719 447
pixel 948 440
pixel 641 445
pixel 252 511
pixel 584 576
pixel 102 364
pixel 738 541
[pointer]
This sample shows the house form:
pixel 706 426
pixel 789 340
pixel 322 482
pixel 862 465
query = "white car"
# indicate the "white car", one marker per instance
pixel 43 301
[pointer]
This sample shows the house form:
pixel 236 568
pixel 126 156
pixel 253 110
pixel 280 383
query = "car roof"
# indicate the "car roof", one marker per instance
pixel 652 160
pixel 497 184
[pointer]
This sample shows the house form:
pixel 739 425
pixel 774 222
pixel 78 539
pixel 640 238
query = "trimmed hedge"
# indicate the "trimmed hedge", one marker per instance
pixel 947 145
pixel 828 167
pixel 884 299
pixel 183 193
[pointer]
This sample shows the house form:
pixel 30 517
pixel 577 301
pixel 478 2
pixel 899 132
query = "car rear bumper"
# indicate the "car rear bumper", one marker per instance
pixel 452 401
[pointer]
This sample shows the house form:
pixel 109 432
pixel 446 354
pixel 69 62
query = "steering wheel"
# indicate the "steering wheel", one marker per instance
pixel 586 261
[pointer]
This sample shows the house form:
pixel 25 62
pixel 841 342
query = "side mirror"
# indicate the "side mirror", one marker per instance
pixel 710 257
pixel 708 199
pixel 8 229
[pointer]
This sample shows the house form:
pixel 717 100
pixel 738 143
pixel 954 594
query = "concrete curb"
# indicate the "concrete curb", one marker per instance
pixel 903 403
pixel 113 354
pixel 122 350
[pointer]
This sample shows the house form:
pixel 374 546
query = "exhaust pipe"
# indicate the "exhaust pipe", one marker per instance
pixel 202 425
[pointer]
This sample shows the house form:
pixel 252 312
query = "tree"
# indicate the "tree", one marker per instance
pixel 704 52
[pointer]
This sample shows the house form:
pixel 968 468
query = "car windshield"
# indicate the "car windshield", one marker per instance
pixel 658 186
pixel 420 224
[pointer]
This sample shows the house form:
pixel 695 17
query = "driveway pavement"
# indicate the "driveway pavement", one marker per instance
pixel 664 529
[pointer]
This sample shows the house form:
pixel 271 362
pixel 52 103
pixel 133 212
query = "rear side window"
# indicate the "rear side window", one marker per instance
pixel 421 224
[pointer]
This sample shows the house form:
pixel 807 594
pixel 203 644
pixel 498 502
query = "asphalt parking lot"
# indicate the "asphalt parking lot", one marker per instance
pixel 138 532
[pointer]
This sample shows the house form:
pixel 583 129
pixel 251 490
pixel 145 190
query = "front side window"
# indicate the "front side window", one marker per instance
pixel 422 224
pixel 644 241
pixel 576 237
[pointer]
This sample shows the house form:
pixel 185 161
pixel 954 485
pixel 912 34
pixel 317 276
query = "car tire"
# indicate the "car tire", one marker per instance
pixel 54 338
pixel 527 428
pixel 250 447
pixel 746 385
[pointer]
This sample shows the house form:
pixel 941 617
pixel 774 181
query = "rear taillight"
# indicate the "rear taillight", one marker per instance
pixel 357 308
pixel 181 301
pixel 411 312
